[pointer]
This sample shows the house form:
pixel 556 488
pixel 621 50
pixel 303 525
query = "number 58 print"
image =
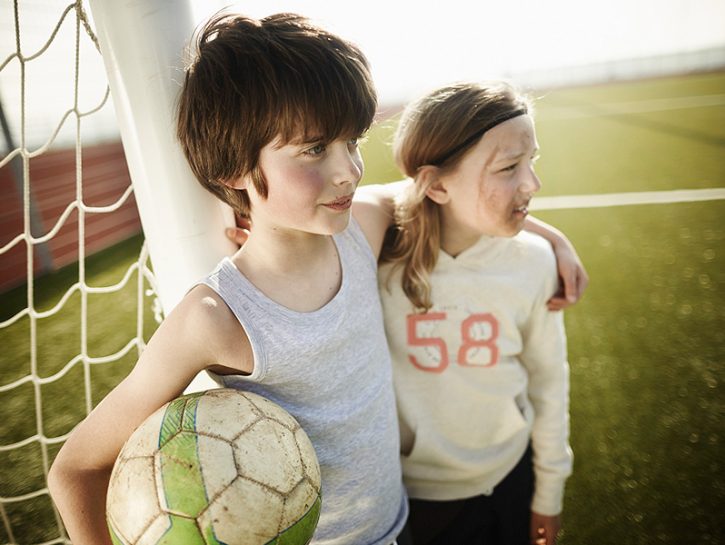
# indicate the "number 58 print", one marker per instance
pixel 468 341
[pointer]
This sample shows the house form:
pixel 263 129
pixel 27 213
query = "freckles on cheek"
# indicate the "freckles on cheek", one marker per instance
pixel 486 200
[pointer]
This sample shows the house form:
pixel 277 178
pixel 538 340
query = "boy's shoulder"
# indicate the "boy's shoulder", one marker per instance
pixel 208 320
pixel 204 307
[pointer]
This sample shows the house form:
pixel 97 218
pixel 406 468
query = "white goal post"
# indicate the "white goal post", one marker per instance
pixel 143 45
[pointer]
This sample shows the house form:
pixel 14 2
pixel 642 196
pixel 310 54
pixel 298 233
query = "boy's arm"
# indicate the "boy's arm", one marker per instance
pixel 184 344
pixel 571 269
pixel 373 207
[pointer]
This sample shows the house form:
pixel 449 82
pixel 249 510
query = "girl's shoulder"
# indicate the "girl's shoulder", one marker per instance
pixel 535 248
pixel 537 261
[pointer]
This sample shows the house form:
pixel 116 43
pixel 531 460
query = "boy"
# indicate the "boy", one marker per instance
pixel 269 116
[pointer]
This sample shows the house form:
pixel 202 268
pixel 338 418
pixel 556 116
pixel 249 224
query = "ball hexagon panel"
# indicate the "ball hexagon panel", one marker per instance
pixel 303 499
pixel 156 530
pixel 135 502
pixel 308 456
pixel 144 441
pixel 179 477
pixel 260 516
pixel 273 411
pixel 274 462
pixel 173 530
pixel 219 468
pixel 215 408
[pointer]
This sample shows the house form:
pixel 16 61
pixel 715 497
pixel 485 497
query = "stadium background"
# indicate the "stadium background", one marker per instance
pixel 647 342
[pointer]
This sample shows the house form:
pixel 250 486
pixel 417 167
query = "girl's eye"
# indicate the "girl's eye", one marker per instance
pixel 509 168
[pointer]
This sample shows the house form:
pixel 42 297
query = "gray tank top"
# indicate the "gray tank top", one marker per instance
pixel 331 370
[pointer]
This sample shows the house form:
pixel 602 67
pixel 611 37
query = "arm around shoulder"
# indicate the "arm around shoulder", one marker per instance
pixel 373 209
pixel 571 269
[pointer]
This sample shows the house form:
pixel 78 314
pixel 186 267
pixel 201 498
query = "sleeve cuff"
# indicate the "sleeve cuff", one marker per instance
pixel 548 497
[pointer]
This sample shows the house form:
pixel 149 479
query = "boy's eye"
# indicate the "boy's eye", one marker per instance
pixel 357 141
pixel 354 144
pixel 315 150
pixel 509 168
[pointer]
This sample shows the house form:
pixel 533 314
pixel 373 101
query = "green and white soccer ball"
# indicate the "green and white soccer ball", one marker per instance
pixel 220 467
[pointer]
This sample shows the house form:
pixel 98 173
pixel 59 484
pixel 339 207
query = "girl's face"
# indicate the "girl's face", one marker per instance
pixel 488 192
pixel 310 186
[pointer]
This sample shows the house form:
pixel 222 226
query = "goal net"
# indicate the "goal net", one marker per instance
pixel 68 336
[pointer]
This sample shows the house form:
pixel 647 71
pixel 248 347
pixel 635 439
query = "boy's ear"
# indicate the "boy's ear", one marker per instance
pixel 240 182
pixel 436 187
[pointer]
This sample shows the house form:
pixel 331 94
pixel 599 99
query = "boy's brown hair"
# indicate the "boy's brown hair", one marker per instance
pixel 254 80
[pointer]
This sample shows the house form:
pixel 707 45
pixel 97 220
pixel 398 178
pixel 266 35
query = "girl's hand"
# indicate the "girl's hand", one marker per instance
pixel 240 233
pixel 544 529
pixel 572 274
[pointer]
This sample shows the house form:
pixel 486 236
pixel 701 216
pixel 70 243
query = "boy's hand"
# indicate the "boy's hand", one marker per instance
pixel 544 529
pixel 240 233
pixel 571 271
pixel 572 274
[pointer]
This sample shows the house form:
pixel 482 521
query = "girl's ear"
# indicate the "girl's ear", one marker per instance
pixel 430 178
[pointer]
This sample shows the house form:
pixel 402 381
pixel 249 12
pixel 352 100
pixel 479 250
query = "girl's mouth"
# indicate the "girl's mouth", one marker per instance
pixel 522 210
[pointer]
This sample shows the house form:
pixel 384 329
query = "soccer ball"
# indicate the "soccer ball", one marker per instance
pixel 220 467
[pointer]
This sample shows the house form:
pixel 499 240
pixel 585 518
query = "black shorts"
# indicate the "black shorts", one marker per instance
pixel 503 518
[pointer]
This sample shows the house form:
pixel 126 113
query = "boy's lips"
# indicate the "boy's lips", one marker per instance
pixel 341 203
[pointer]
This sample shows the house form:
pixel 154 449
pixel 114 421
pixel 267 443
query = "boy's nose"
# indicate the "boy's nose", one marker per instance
pixel 348 167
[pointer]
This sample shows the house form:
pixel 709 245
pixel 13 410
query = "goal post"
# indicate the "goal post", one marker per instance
pixel 143 44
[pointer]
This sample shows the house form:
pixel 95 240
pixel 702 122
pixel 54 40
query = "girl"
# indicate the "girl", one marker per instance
pixel 479 362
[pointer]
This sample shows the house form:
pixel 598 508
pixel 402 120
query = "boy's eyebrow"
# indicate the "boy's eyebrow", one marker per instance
pixel 307 139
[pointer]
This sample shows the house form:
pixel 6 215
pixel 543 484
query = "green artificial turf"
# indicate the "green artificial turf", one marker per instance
pixel 646 343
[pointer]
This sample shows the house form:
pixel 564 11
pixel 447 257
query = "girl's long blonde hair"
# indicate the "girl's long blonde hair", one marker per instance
pixel 437 130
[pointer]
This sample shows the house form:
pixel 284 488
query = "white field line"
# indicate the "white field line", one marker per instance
pixel 633 107
pixel 625 199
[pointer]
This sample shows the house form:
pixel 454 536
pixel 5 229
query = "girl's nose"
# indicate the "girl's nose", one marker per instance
pixel 532 183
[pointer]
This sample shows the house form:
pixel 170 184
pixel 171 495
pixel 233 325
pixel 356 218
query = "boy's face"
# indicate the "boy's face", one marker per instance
pixel 490 189
pixel 310 186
